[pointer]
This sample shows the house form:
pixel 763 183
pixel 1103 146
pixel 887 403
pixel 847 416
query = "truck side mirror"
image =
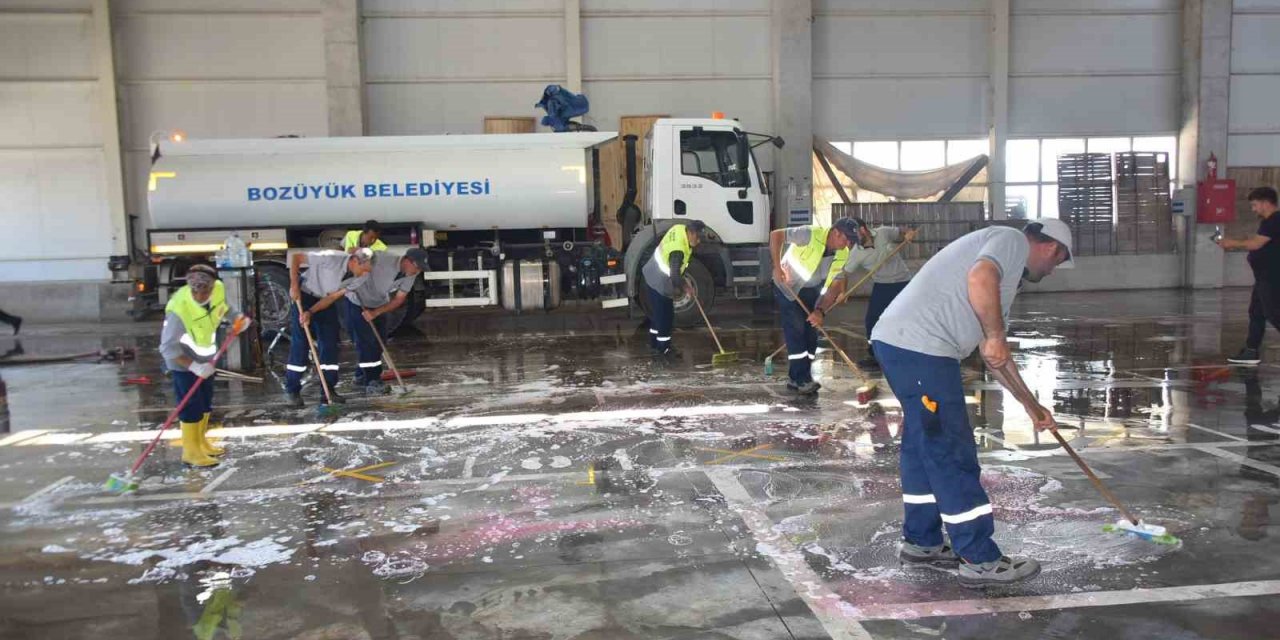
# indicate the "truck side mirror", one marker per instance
pixel 779 142
pixel 744 159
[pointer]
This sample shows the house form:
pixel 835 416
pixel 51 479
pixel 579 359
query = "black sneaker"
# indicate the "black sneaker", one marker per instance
pixel 869 362
pixel 376 388
pixel 293 401
pixel 335 398
pixel 809 388
pixel 1246 356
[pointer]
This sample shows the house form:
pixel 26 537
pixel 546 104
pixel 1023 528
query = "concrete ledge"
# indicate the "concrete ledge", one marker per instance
pixel 66 301
pixel 1107 273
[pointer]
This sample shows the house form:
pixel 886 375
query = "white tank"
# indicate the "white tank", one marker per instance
pixel 519 181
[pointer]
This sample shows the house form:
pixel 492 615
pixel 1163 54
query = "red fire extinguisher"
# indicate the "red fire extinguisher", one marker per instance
pixel 1216 198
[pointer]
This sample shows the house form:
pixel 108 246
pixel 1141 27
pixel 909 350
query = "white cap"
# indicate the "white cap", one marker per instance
pixel 1058 230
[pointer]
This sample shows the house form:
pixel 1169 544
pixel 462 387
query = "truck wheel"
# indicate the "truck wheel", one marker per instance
pixel 273 297
pixel 686 312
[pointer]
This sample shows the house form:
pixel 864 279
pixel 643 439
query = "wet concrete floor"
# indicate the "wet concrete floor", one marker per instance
pixel 543 478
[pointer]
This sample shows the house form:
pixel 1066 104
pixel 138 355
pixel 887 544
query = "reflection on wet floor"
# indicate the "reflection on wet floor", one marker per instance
pixel 544 478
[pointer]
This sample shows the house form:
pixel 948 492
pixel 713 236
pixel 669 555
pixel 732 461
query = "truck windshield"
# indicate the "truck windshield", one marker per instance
pixel 713 155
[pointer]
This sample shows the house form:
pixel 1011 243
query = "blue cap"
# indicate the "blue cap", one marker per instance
pixel 849 227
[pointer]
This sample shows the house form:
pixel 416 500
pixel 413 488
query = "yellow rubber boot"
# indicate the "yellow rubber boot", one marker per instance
pixel 192 453
pixel 205 444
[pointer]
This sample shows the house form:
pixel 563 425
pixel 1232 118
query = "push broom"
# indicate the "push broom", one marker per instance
pixel 768 361
pixel 127 482
pixel 1127 524
pixel 386 355
pixel 724 357
pixel 328 409
pixel 869 387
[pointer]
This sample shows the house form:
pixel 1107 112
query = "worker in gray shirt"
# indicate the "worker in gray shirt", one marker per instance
pixel 390 280
pixel 330 276
pixel 959 301
pixel 874 247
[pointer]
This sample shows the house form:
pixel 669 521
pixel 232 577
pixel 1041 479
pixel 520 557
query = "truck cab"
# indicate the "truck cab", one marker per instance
pixel 703 169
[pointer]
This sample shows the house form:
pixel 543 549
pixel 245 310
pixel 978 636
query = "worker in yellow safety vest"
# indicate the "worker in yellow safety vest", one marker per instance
pixel 369 237
pixel 665 281
pixel 188 343
pixel 814 256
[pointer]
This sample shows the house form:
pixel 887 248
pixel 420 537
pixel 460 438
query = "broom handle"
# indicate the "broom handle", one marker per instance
pixel 827 335
pixel 777 351
pixel 181 405
pixel 848 292
pixel 1097 483
pixel 708 321
pixel 311 344
pixel 387 355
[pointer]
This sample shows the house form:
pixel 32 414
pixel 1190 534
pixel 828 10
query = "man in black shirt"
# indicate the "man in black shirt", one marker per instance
pixel 1264 259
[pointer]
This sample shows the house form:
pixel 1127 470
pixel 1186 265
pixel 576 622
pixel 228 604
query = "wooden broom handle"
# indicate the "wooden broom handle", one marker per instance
pixel 1097 483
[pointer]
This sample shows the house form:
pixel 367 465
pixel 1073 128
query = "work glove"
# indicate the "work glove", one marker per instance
pixel 202 369
pixel 241 324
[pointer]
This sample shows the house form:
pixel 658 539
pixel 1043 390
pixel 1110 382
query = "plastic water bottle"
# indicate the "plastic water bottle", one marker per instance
pixel 237 251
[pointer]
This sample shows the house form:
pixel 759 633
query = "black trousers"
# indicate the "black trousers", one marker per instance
pixel 1264 307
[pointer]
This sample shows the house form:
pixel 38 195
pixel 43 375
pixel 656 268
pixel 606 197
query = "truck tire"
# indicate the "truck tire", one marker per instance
pixel 273 297
pixel 686 312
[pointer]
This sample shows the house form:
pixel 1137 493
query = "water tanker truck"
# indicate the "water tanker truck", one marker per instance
pixel 511 221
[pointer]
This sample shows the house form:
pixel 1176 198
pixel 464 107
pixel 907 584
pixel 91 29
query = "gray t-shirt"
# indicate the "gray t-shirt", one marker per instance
pixel 886 239
pixel 384 281
pixel 932 315
pixel 327 273
pixel 800 236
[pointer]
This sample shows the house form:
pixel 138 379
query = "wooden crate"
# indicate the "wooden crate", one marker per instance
pixel 638 126
pixel 613 172
pixel 1144 212
pixel 510 124
pixel 1085 188
pixel 613 187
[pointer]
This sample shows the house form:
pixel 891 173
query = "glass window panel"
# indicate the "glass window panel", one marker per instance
pixel 1166 144
pixel 881 154
pixel 961 150
pixel 1050 149
pixel 1108 145
pixel 846 147
pixel 1049 201
pixel 1022 161
pixel 1022 201
pixel 922 155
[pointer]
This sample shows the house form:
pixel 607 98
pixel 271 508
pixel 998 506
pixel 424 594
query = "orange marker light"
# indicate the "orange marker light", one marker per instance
pixel 717 115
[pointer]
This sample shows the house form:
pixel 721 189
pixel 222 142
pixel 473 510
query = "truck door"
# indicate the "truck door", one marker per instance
pixel 712 182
